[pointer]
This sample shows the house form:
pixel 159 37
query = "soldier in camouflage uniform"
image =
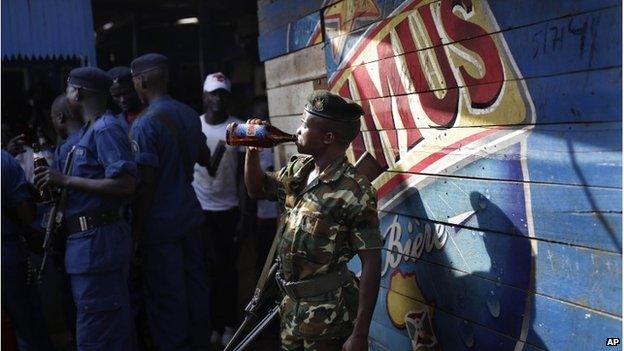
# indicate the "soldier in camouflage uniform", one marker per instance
pixel 329 213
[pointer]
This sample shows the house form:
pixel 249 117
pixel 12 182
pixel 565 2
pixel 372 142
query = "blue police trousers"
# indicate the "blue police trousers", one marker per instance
pixel 97 262
pixel 177 293
pixel 102 311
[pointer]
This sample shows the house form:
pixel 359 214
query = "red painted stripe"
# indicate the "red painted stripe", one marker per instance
pixel 401 177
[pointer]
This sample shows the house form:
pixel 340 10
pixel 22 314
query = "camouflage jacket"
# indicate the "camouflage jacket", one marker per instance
pixel 325 224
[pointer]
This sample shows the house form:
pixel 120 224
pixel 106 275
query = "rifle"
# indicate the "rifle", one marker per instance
pixel 55 218
pixel 367 166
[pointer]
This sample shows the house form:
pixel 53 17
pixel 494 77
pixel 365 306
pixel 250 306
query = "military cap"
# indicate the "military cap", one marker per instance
pixel 148 62
pixel 120 74
pixel 89 78
pixel 324 104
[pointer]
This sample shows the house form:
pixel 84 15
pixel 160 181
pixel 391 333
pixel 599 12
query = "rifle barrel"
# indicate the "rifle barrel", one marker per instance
pixel 253 334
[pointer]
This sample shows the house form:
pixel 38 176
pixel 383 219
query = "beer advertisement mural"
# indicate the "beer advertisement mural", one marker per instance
pixel 498 126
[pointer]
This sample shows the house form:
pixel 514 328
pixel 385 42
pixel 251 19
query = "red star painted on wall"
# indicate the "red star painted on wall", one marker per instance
pixel 340 20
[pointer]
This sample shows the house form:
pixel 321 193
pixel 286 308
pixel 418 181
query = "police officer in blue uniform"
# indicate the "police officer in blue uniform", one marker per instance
pixel 101 180
pixel 67 123
pixel 123 93
pixel 167 141
pixel 20 300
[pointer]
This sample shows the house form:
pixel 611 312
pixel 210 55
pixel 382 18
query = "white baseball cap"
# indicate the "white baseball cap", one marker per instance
pixel 216 81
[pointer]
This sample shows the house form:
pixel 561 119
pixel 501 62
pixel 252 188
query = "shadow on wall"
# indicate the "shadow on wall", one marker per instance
pixel 460 288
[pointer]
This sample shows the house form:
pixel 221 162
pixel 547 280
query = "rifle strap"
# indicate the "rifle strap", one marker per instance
pixel 366 164
pixel 69 164
pixel 271 256
pixel 187 165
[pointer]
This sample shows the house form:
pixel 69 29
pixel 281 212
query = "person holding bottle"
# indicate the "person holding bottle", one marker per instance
pixel 329 211
pixel 98 246
pixel 20 299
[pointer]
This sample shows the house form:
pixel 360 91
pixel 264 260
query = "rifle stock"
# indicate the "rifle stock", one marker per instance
pixel 368 166
pixel 251 312
pixel 55 218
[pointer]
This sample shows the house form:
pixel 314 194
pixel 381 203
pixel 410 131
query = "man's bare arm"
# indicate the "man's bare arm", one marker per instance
pixel 369 288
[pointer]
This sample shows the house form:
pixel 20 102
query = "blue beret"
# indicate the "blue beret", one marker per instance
pixel 148 62
pixel 90 78
pixel 120 74
pixel 324 104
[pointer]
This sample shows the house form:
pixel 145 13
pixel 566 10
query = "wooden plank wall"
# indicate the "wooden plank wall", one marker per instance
pixel 499 125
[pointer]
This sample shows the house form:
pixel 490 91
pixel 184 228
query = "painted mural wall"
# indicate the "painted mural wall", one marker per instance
pixel 498 124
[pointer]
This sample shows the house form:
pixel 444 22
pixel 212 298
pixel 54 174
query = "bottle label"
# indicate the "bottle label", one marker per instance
pixel 250 130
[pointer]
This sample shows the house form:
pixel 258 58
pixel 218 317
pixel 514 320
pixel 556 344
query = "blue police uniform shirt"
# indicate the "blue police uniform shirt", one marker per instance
pixel 175 209
pixel 61 152
pixel 121 118
pixel 103 151
pixel 14 191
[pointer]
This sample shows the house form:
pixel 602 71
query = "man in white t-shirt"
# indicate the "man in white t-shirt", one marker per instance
pixel 218 196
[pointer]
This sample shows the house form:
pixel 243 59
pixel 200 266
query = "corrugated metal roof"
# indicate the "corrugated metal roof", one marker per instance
pixel 48 29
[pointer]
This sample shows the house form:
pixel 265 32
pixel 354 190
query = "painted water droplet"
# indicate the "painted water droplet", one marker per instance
pixel 498 281
pixel 494 264
pixel 493 304
pixel 410 227
pixel 482 203
pixel 467 334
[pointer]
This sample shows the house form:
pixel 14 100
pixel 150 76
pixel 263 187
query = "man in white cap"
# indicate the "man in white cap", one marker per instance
pixel 218 196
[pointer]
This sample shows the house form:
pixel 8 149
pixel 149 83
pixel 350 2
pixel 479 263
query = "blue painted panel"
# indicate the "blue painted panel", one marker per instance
pixel 273 43
pixel 500 206
pixel 291 37
pixel 568 327
pixel 581 42
pixel 506 259
pixel 587 154
pixel 578 97
pixel 279 13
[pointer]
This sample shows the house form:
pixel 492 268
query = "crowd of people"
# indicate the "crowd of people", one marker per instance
pixel 152 206
pixel 148 245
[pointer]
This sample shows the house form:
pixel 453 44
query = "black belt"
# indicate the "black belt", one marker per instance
pixel 87 222
pixel 316 286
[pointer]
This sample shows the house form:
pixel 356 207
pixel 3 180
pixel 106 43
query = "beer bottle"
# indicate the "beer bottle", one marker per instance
pixel 39 160
pixel 260 135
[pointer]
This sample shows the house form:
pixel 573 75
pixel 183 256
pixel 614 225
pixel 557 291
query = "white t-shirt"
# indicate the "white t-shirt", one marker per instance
pixel 25 159
pixel 218 193
pixel 266 209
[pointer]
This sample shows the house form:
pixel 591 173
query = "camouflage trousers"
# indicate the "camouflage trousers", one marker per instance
pixel 293 343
